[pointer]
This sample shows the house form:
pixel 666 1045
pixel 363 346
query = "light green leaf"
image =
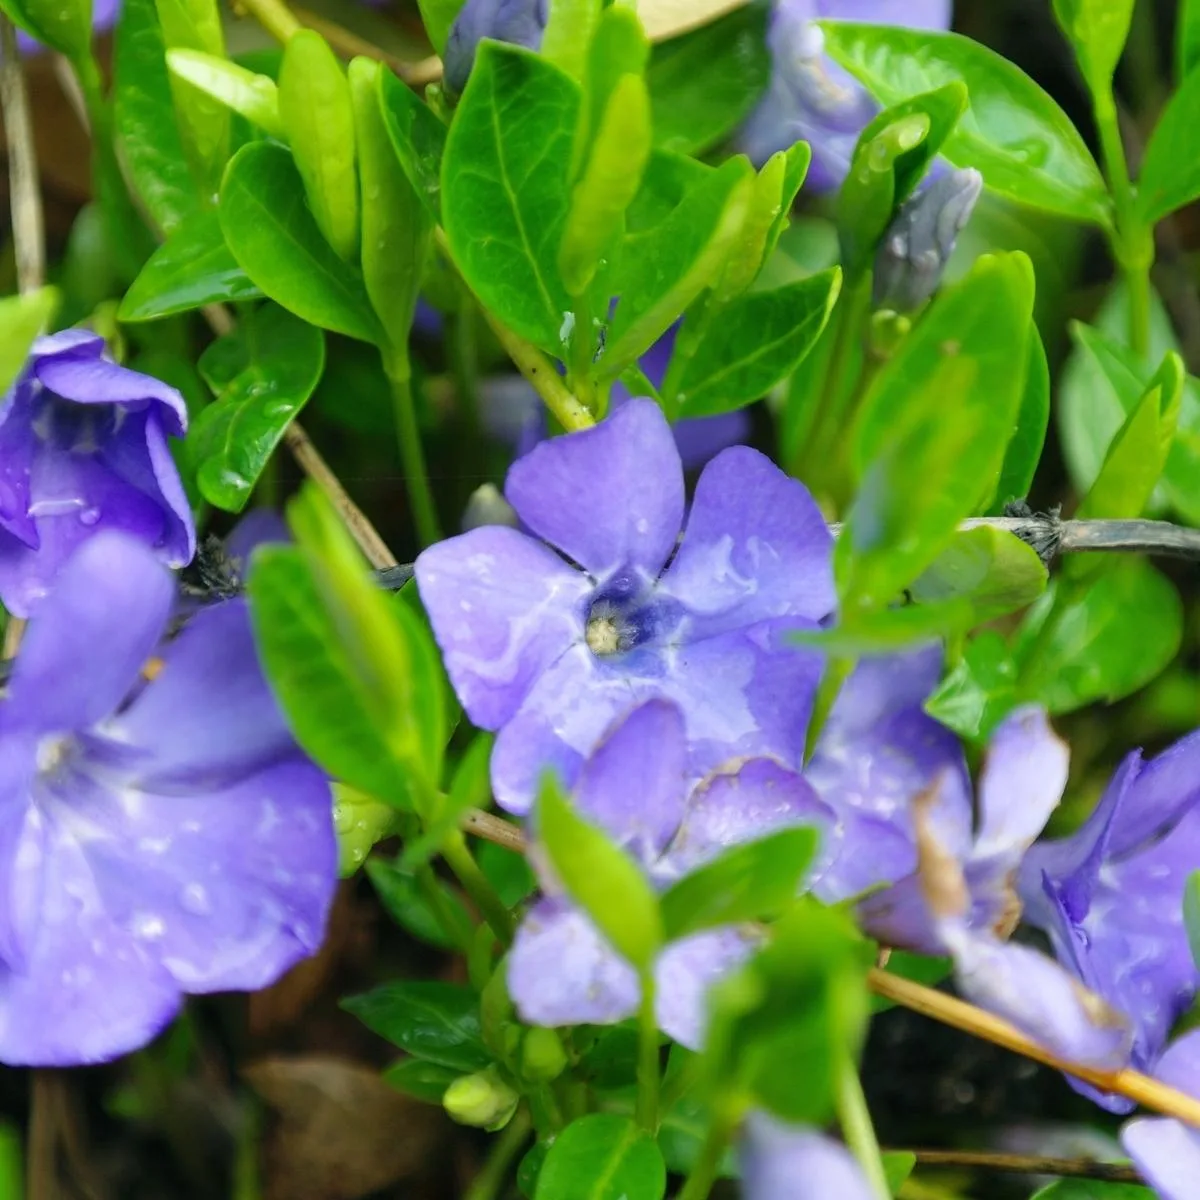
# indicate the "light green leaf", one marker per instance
pixel 1025 446
pixel 991 567
pixel 1097 29
pixel 568 33
pixel 602 1156
pixel 22 319
pixel 438 16
pixel 253 96
pixel 1170 176
pixel 980 690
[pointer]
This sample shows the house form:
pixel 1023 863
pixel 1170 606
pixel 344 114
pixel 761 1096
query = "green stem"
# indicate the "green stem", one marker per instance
pixel 475 883
pixel 274 16
pixel 837 671
pixel 489 1183
pixel 857 1128
pixel 412 457
pixel 649 1070
pixel 707 1166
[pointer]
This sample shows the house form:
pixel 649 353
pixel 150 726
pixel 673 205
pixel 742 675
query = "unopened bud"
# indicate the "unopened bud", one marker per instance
pixel 487 506
pixel 518 22
pixel 483 1100
pixel 542 1055
pixel 913 254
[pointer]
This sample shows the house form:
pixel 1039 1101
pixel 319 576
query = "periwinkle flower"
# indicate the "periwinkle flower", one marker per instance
pixel 157 837
pixel 792 1162
pixel 561 970
pixel 519 22
pixel 810 98
pixel 547 644
pixel 1110 897
pixel 83 449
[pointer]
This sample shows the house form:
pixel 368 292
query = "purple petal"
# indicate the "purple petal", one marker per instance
pixel 18 449
pixel 1180 1065
pixel 1161 792
pixel 684 973
pixel 95 380
pixel 790 1162
pixel 91 636
pixel 503 609
pixel 633 783
pixel 756 547
pixel 1167 1153
pixel 610 497
pixel 562 972
pixel 21 847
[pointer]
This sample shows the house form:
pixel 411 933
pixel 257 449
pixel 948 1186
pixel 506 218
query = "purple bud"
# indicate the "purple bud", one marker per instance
pixel 913 254
pixel 519 22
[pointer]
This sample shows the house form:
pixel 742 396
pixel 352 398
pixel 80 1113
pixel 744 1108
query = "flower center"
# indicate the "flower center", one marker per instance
pixel 52 753
pixel 610 631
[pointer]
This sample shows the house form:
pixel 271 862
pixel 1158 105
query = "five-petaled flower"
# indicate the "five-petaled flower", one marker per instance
pixel 156 838
pixel 561 970
pixel 83 448
pixel 548 648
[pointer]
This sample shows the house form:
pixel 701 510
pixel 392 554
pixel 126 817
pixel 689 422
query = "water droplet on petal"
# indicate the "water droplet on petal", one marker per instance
pixel 89 516
pixel 195 899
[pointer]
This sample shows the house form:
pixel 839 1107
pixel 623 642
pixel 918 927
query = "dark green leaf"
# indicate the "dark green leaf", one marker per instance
pixel 22 319
pixel 703 84
pixel 602 1156
pixel 757 340
pixel 979 692
pixel 1170 175
pixel 424 1081
pixel 1187 38
pixel 193 267
pixel 1097 29
pixel 264 374
pixel 751 882
pixel 1025 446
pixel 600 877
pixel 507 871
pixel 418 138
pixel 437 1022
pixel 408 905
pixel 272 234
pixel 505 192
pixel 1012 132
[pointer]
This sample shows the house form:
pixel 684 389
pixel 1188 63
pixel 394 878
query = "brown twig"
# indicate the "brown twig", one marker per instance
pixel 1028 1164
pixel 349 45
pixel 495 829
pixel 24 191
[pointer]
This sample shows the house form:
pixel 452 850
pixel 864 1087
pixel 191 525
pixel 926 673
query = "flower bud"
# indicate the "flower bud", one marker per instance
pixel 483 1100
pixel 487 506
pixel 542 1055
pixel 359 821
pixel 918 243
pixel 520 22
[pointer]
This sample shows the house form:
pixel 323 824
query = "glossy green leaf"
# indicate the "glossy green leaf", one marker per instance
pixel 1012 132
pixel 411 908
pixel 193 267
pixel 892 155
pixel 600 877
pixel 247 93
pixel 1097 29
pixel 418 138
pixel 436 1022
pixel 660 275
pixel 603 1156
pixel 1170 176
pixel 991 567
pixel 1187 38
pixel 756 341
pixel 63 25
pixel 438 16
pixel 704 83
pixel 505 219
pixel 424 1081
pixel 263 375
pixel 979 691
pixel 933 427
pixel 1029 436
pixel 144 119
pixel 1107 640
pixel 508 872
pixel 22 319
pixel 751 882
pixel 272 234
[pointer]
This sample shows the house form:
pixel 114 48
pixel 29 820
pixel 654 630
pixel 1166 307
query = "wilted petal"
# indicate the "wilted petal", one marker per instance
pixel 609 497
pixel 1167 1153
pixel 791 1162
pixel 562 972
pixel 503 610
pixel 686 970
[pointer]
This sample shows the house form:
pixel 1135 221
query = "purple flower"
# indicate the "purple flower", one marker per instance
pixel 520 22
pixel 1166 1151
pixel 83 448
pixel 812 99
pixel 792 1162
pixel 1110 897
pixel 549 643
pixel 156 838
pixel 561 970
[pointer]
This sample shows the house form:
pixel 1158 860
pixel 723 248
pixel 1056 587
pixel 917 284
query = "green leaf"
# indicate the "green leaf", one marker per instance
pixel 247 93
pixel 263 375
pixel 1033 417
pixel 436 1022
pixel 659 276
pixel 1187 38
pixel 751 882
pixel 991 567
pixel 1089 1189
pixel 887 630
pixel 507 872
pixel 602 1156
pixel 703 84
pixel 1170 176
pixel 1191 913
pixel 600 877
pixel 272 234
pixel 22 319
pixel 1097 29
pixel 424 1081
pixel 980 690
pixel 150 143
pixel 505 194
pixel 63 25
pixel 897 1167
pixel 1085 649
pixel 418 138
pixel 193 267
pixel 932 430
pixel 470 788
pixel 756 341
pixel 411 909
pixel 1012 132
pixel 314 104
pixel 892 155
pixel 438 16
pixel 619 48
pixel 568 33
